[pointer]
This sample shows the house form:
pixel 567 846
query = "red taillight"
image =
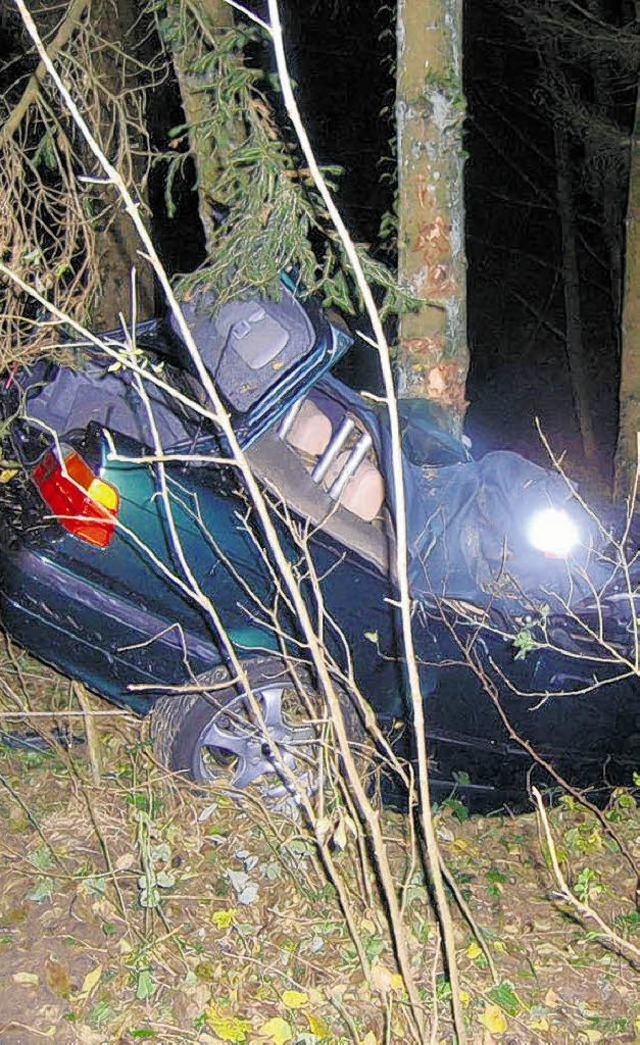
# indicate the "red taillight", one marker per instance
pixel 82 502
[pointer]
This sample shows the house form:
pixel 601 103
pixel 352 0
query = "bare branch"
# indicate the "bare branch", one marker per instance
pixel 583 909
pixel 66 30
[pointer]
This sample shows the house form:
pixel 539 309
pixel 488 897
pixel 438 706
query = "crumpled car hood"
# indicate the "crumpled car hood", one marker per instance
pixel 468 521
pixel 469 536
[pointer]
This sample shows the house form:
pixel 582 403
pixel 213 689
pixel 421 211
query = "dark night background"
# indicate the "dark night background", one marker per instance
pixel 343 67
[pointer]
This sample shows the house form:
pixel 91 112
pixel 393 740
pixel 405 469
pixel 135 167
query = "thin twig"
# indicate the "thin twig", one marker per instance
pixel 584 909
pixel 67 28
pixel 473 925
pixel 93 740
pixel 31 818
pixel 433 852
pixel 87 713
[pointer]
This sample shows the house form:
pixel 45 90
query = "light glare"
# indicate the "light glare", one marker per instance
pixel 553 532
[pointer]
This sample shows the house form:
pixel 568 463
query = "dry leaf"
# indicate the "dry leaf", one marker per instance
pixel 436 386
pixel 26 979
pixel 318 1026
pixel 223 919
pixel 323 828
pixel 460 844
pixel 513 928
pixel 340 836
pixel 494 1019
pixel 277 1030
pixel 226 1027
pixel 89 982
pixel 57 977
pixel 295 999
pixel 384 980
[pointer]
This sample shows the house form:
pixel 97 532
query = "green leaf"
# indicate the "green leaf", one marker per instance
pixel 524 643
pixel 495 877
pixel 45 155
pixel 41 858
pixel 504 995
pixel 149 896
pixel 96 886
pixel 443 989
pixel 161 853
pixel 461 777
pixel 42 890
pixel 139 801
pixel 458 809
pixel 100 1014
pixel 145 985
pixel 588 885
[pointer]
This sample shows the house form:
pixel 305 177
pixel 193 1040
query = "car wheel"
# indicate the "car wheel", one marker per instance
pixel 213 736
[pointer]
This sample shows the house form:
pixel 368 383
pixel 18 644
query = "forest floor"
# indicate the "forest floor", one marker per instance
pixel 133 908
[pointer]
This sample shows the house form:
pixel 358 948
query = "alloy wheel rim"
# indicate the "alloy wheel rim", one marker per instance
pixel 233 738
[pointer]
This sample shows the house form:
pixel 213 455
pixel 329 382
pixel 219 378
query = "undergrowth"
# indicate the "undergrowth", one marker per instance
pixel 133 907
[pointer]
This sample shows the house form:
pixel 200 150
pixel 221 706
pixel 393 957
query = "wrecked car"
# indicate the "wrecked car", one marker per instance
pixel 523 602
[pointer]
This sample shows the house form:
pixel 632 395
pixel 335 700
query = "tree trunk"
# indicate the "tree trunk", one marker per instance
pixel 432 351
pixel 117 244
pixel 187 47
pixel 571 290
pixel 629 419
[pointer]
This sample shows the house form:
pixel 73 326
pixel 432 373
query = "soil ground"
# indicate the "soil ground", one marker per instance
pixel 134 908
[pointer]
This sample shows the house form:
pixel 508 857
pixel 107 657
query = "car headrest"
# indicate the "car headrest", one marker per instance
pixel 364 492
pixel 311 430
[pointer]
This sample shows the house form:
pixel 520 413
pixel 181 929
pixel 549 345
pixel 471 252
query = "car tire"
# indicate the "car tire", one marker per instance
pixel 212 736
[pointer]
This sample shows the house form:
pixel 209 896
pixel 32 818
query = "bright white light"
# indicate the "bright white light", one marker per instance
pixel 553 532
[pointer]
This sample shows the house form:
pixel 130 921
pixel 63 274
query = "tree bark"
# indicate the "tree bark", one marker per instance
pixel 626 461
pixel 571 290
pixel 432 351
pixel 196 93
pixel 117 244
